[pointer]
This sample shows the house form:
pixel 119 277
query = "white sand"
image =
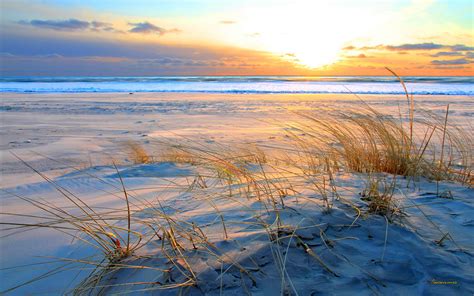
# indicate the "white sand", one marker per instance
pixel 88 130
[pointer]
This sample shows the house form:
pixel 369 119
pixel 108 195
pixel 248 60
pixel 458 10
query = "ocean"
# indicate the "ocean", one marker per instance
pixel 242 84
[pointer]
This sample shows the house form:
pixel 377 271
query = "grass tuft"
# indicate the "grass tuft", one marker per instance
pixel 136 153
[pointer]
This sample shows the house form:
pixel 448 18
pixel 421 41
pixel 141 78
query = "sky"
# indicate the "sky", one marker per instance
pixel 244 37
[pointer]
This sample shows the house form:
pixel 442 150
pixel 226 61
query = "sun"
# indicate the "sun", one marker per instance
pixel 308 50
pixel 310 35
pixel 312 55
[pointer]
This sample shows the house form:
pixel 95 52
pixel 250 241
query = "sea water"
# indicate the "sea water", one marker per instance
pixel 243 84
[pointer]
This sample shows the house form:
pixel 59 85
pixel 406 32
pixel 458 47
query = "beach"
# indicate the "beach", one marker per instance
pixel 80 143
pixel 231 148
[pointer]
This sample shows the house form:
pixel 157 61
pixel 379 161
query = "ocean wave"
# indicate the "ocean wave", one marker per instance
pixel 250 79
pixel 450 93
pixel 240 85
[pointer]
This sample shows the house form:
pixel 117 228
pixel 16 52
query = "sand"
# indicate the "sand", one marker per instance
pixel 73 138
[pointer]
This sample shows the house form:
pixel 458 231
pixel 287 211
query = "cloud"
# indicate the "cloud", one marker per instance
pixel 22 57
pixel 59 25
pixel 59 55
pixel 149 28
pixel 451 62
pixel 51 56
pixel 360 56
pixel 450 67
pixel 227 22
pixel 461 47
pixel 413 47
pixel 70 25
pixel 447 54
pixel 6 55
pixel 166 64
pixel 101 26
pixel 73 47
pixel 183 62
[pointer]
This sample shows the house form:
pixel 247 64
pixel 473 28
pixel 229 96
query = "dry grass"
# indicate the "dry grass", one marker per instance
pixel 368 141
pixel 100 231
pixel 136 153
pixel 379 195
pixel 176 154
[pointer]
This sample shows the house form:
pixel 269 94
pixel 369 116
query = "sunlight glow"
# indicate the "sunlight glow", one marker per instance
pixel 311 35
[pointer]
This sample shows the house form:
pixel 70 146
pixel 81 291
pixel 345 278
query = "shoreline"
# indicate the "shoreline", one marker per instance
pixel 197 95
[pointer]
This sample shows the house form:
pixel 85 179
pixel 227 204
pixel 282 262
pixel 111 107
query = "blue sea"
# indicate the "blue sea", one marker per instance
pixel 242 84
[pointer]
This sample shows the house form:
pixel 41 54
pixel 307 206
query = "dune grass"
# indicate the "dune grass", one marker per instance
pixel 136 153
pixel 368 141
